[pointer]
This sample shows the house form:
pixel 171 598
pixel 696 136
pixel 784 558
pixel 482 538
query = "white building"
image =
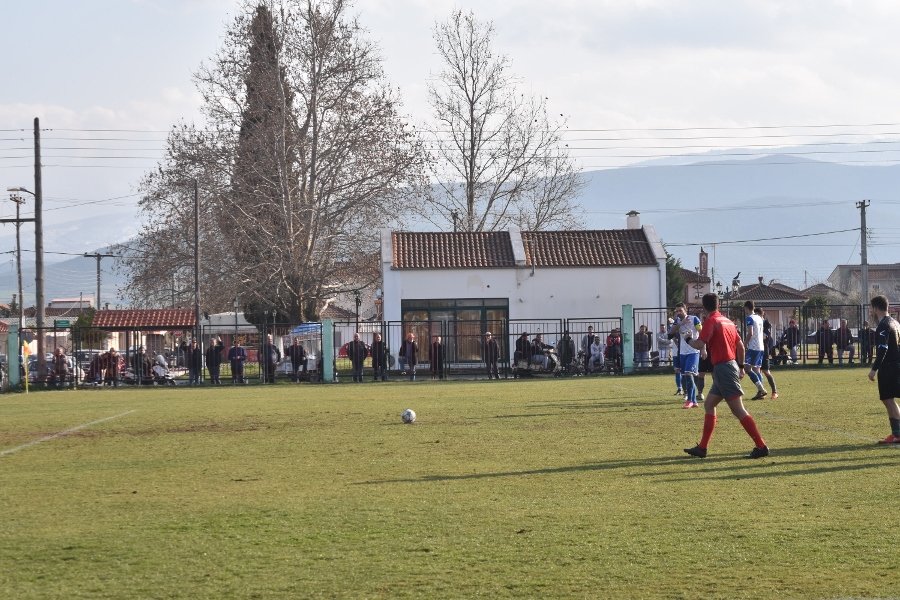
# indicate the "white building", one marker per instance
pixel 484 277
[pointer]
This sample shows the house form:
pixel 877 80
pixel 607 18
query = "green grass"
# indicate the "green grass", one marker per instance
pixel 552 488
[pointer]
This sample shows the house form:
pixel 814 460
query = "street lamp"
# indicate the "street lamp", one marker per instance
pixel 19 201
pixel 358 300
pixel 38 257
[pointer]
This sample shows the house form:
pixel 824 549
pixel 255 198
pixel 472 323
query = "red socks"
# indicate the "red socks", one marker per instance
pixel 709 423
pixel 750 426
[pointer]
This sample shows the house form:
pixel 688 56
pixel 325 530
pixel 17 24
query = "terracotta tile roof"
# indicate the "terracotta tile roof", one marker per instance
pixel 337 313
pixel 694 277
pixel 592 248
pixel 73 312
pixel 145 319
pixel 786 288
pixel 821 289
pixel 463 250
pixel 493 250
pixel 4 327
pixel 760 292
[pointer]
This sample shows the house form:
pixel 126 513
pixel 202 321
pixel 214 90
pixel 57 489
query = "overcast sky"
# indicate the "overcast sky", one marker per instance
pixel 603 64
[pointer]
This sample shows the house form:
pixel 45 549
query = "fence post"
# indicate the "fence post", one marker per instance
pixel 627 339
pixel 328 350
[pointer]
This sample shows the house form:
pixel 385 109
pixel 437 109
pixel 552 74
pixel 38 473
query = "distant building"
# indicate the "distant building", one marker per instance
pixel 883 279
pixel 780 303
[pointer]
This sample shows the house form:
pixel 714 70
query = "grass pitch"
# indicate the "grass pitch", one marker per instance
pixel 552 488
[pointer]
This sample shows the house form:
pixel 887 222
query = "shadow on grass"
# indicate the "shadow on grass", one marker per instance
pixel 722 466
pixel 595 407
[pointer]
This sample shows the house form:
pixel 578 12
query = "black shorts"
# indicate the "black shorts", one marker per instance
pixel 888 383
pixel 706 365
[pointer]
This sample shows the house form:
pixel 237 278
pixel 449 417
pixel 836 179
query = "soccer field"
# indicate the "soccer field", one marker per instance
pixel 548 488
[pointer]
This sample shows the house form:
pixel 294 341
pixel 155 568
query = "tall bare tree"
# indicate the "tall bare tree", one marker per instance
pixel 496 155
pixel 307 157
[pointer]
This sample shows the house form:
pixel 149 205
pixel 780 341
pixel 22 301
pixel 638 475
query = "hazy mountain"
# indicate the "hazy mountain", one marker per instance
pixel 704 202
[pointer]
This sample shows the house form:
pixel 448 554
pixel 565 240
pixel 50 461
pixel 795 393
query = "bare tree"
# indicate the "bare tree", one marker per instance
pixel 496 155
pixel 307 158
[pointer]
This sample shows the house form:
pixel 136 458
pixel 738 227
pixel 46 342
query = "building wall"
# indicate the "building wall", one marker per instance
pixel 545 293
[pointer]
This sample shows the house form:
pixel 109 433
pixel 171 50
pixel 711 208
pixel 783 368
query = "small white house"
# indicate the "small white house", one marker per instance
pixel 484 277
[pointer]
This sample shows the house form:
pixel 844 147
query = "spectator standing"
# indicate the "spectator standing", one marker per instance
pixel 214 360
pixel 887 365
pixel 663 344
pixel 843 339
pixel 437 358
pixel 195 363
pixel 237 356
pixel 297 353
pixel 491 355
pixel 110 362
pixel 269 357
pixel 643 342
pixel 565 349
pixel 825 340
pixel 379 353
pixel 59 368
pixel 866 343
pixel 409 352
pixel 357 353
pixel 586 342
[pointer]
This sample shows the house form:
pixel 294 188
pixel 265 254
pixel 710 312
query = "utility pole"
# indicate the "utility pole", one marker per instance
pixel 39 250
pixel 19 202
pixel 197 331
pixel 864 260
pixel 98 256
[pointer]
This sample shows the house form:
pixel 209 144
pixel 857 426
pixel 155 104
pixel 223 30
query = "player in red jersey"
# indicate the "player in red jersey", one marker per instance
pixel 726 351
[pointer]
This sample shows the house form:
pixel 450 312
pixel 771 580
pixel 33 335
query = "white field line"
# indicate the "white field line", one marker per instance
pixel 819 427
pixel 62 433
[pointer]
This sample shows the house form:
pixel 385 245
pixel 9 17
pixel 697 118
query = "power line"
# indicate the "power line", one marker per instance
pixel 784 237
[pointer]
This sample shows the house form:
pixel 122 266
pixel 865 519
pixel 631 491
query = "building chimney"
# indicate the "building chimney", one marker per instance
pixel 760 280
pixel 633 220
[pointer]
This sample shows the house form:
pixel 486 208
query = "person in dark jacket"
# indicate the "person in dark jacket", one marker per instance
pixel 140 366
pixel 643 343
pixel 843 339
pixel 237 356
pixel 269 357
pixel 791 339
pixel 195 363
pixel 214 360
pixel 379 353
pixel 825 340
pixel 565 348
pixel 491 355
pixel 866 343
pixel 523 348
pixel 409 353
pixel 437 358
pixel 297 353
pixel 357 353
pixel 59 369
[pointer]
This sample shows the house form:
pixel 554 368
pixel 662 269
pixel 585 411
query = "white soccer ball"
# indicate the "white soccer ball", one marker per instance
pixel 408 416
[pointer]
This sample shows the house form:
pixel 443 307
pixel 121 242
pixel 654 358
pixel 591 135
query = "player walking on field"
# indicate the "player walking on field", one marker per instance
pixel 686 327
pixel 726 351
pixel 756 348
pixel 887 365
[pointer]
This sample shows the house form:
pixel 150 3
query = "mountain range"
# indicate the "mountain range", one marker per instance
pixel 713 203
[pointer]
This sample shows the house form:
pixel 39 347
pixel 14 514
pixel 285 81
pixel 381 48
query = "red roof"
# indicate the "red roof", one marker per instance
pixel 493 249
pixel 145 319
pixel 4 327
